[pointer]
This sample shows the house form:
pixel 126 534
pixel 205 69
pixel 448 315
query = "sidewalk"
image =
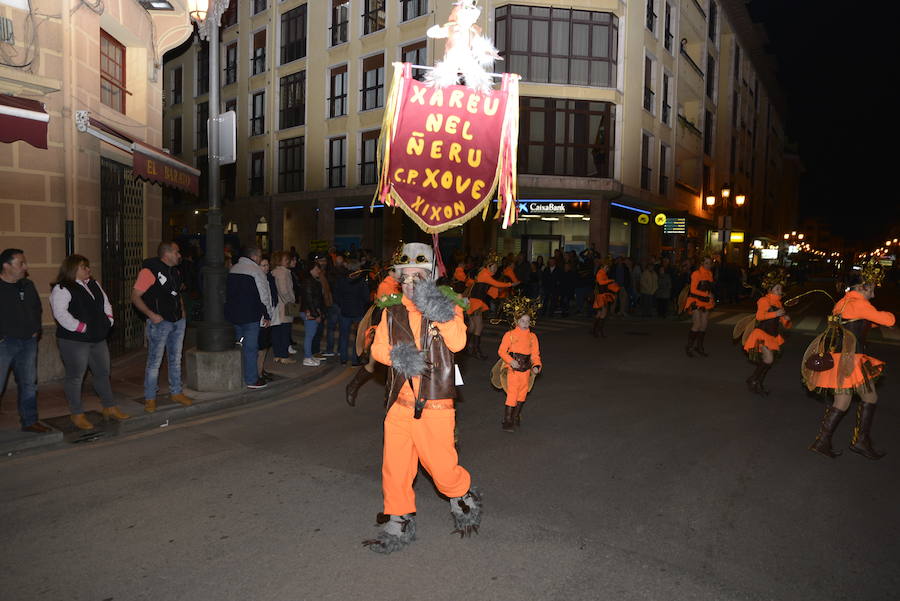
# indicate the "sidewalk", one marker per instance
pixel 128 389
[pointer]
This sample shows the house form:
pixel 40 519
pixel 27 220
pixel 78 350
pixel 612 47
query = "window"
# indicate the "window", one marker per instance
pixel 257 173
pixel 668 35
pixel 663 169
pixel 258 59
pixel 708 133
pixel 176 136
pixel 410 9
pixel 667 99
pixel 231 61
pixel 737 62
pixel 202 124
pixel 230 16
pixel 203 69
pixel 373 16
pixel 566 137
pixel 337 163
pixel 710 77
pixel 651 15
pixel 340 19
pixel 258 113
pixel 259 6
pixel 415 54
pixel 646 171
pixel 337 99
pixel 293 100
pixel 713 19
pixel 648 84
pixel 230 105
pixel 112 72
pixel 290 165
pixel 177 94
pixel 293 34
pixel 368 166
pixel 557 45
pixel 373 82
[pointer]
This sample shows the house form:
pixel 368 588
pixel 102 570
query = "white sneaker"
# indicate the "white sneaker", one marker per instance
pixel 329 354
pixel 310 362
pixel 292 350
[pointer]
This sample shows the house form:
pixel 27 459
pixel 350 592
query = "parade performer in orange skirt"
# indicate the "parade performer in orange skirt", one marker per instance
pixel 700 301
pixel 509 275
pixel 461 279
pixel 837 361
pixel 365 333
pixel 520 358
pixel 604 295
pixel 480 300
pixel 761 335
pixel 416 338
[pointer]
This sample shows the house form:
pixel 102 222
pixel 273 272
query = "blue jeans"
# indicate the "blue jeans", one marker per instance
pixel 344 339
pixel 168 337
pixel 249 334
pixel 310 327
pixel 21 354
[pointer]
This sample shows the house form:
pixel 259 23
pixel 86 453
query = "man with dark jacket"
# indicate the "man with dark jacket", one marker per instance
pixel 248 305
pixel 351 294
pixel 551 278
pixel 20 327
pixel 157 293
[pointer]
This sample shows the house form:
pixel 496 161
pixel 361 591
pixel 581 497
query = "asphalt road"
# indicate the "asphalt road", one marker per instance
pixel 639 474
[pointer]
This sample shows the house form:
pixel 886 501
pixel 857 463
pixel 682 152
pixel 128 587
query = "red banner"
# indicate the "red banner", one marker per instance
pixel 444 153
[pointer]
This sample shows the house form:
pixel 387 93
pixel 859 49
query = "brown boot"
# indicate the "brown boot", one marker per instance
pixel 507 424
pixel 692 339
pixel 149 405
pixel 359 378
pixel 517 415
pixel 81 421
pixel 183 399
pixel 753 380
pixel 830 421
pixel 700 350
pixel 764 370
pixel 114 412
pixel 861 442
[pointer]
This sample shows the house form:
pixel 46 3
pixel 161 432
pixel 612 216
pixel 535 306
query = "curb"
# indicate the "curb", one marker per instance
pixel 13 443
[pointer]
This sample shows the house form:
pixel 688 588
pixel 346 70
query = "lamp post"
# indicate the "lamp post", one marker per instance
pixel 724 220
pixel 213 333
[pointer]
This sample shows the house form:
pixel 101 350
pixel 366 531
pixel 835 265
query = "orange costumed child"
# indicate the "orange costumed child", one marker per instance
pixel 700 301
pixel 838 361
pixel 760 332
pixel 604 294
pixel 484 289
pixel 520 358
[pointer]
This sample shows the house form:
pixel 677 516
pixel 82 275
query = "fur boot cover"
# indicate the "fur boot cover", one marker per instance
pixel 407 360
pixel 434 304
pixel 398 531
pixel 466 512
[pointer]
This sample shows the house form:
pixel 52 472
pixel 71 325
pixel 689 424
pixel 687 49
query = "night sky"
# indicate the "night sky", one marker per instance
pixel 837 67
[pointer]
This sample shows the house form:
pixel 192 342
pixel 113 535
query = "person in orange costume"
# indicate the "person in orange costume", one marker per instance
pixel 510 276
pixel 521 356
pixel 416 338
pixel 387 287
pixel 765 340
pixel 604 294
pixel 854 372
pixel 699 303
pixel 480 299
pixel 461 279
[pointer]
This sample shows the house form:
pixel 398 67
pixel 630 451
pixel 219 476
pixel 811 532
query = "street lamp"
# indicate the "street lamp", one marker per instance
pixel 213 333
pixel 724 221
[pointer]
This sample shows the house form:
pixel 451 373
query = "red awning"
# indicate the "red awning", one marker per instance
pixel 154 165
pixel 23 119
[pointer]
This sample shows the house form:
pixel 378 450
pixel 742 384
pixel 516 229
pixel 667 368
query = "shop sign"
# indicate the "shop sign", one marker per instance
pixel 542 208
pixel 643 219
pixel 737 237
pixel 660 219
pixel 675 225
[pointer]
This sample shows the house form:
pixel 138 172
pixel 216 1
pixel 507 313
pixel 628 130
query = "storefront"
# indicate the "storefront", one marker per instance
pixel 545 225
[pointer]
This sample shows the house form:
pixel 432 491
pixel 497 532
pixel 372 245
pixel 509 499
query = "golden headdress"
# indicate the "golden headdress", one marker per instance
pixel 773 278
pixel 492 258
pixel 396 257
pixel 514 307
pixel 872 272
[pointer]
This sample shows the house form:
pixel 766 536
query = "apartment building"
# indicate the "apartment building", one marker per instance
pixel 632 114
pixel 68 185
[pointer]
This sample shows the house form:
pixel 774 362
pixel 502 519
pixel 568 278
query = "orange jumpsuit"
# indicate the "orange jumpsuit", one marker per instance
pixel 429 440
pixel 387 287
pixel 866 368
pixel 524 342
pixel 702 274
pixel 485 277
pixel 608 289
pixel 765 307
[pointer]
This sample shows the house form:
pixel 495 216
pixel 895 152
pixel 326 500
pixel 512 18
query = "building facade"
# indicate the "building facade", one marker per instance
pixel 631 115
pixel 64 190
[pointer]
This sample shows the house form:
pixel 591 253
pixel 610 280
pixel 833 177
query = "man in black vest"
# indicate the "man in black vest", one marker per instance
pixel 157 294
pixel 20 327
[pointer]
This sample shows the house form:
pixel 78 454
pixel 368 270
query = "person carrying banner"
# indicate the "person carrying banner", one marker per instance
pixel 520 358
pixel 417 337
pixel 700 301
pixel 838 362
pixel 604 295
pixel 480 300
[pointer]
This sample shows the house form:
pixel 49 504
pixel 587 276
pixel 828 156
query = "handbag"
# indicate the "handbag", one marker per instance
pixel 292 309
pixel 820 363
